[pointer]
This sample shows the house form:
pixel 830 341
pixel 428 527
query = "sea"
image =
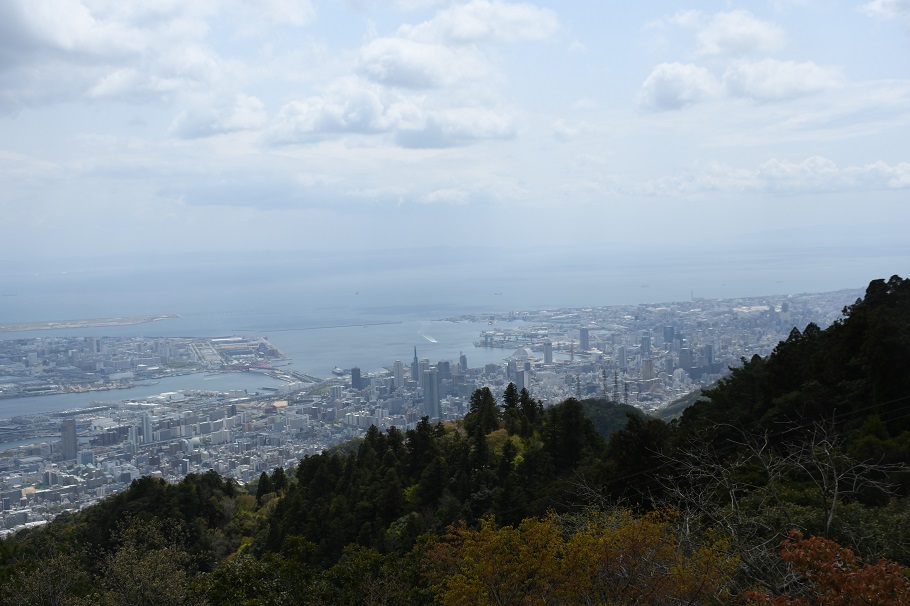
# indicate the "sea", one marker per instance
pixel 368 311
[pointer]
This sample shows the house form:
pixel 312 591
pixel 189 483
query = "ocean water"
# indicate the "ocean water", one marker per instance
pixel 324 312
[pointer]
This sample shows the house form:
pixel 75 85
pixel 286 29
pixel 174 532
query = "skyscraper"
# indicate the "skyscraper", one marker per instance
pixel 355 379
pixel 708 353
pixel 147 436
pixel 431 393
pixel 584 342
pixel 462 362
pixel 685 358
pixel 548 352
pixel 68 436
pixel 646 344
pixel 423 366
pixel 522 379
pixel 647 369
pixel 399 374
pixel 415 367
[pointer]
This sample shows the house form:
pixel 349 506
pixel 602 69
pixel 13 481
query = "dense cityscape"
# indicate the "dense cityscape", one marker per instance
pixel 644 355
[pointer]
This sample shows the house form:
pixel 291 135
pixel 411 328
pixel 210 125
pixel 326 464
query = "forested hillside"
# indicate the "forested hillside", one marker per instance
pixel 782 484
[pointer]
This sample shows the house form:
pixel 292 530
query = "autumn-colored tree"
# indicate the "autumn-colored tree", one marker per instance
pixel 501 566
pixel 620 558
pixel 615 558
pixel 828 574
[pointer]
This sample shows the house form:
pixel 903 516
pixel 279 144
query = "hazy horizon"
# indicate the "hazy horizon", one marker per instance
pixel 408 149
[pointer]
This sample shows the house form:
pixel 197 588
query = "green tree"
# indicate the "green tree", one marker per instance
pixel 264 487
pixel 279 480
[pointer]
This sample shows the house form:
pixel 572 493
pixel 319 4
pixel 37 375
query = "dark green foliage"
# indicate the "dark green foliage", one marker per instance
pixel 264 486
pixel 569 435
pixel 607 416
pixel 842 374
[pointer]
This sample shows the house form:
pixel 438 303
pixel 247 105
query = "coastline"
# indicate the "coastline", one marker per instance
pixel 91 323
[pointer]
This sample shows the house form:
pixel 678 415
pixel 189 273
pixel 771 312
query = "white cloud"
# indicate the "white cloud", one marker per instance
pixel 449 195
pixel 349 106
pixel 815 174
pixel 772 80
pixel 142 50
pixel 687 18
pixel 739 32
pixel 410 64
pixel 256 17
pixel 898 10
pixel 563 131
pixel 244 113
pixel 354 107
pixel 584 104
pixel 675 85
pixel 482 20
pixel 460 126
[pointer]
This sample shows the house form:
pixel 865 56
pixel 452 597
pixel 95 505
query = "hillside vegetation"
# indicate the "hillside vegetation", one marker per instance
pixel 783 484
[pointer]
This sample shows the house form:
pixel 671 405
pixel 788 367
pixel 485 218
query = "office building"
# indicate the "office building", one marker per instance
pixel 647 369
pixel 685 358
pixel 356 383
pixel 522 379
pixel 431 393
pixel 548 352
pixel 69 439
pixel 584 342
pixel 708 353
pixel 399 374
pixel 147 435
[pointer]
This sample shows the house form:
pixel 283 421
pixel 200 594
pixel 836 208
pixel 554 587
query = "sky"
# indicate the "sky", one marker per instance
pixel 359 127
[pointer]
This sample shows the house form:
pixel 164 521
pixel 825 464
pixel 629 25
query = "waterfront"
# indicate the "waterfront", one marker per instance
pixel 229 381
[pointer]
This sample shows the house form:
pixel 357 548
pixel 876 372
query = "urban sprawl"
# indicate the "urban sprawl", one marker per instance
pixel 644 355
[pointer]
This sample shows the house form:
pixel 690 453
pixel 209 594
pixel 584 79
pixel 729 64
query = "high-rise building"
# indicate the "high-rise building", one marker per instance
pixel 444 368
pixel 685 358
pixel 647 369
pixel 708 352
pixel 522 379
pixel 431 393
pixel 547 352
pixel 399 374
pixel 355 379
pixel 422 366
pixel 584 342
pixel 646 344
pixel 668 335
pixel 462 362
pixel 147 437
pixel 415 367
pixel 621 358
pixel 69 439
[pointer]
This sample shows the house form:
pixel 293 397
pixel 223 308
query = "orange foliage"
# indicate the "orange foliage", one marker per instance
pixel 834 576
pixel 612 559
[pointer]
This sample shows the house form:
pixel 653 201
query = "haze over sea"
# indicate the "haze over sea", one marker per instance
pixel 327 312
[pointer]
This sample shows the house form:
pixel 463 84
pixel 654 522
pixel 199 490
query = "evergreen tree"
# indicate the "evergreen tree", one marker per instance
pixel 264 487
